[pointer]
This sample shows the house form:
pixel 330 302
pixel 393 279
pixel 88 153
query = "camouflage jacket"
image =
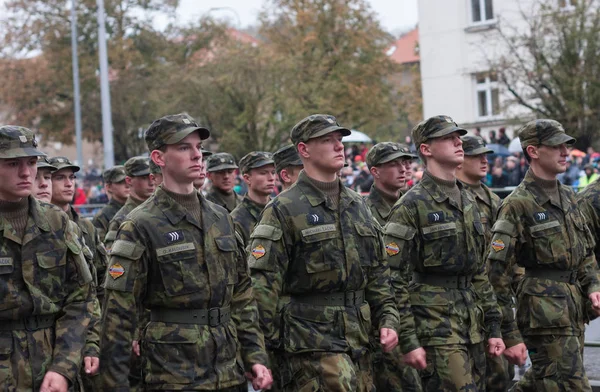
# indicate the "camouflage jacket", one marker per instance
pixel 303 246
pixel 104 216
pixel 488 209
pixel 202 267
pixel 95 255
pixel 379 207
pixel 589 202
pixel 540 235
pixel 119 217
pixel 245 217
pixel 219 199
pixel 45 273
pixel 431 234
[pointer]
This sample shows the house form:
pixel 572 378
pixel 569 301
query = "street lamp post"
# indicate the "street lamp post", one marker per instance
pixel 76 92
pixel 107 126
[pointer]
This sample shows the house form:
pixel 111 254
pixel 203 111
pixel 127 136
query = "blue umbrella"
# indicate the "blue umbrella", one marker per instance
pixel 499 149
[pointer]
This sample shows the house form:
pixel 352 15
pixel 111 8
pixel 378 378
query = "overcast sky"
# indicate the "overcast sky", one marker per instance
pixel 395 15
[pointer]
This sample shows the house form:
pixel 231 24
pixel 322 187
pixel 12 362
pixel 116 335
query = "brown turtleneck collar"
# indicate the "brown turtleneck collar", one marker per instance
pixel 189 202
pixel 449 188
pixel 331 189
pixel 16 213
pixel 550 187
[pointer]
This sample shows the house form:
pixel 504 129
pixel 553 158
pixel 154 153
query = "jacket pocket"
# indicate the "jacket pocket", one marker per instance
pixel 439 243
pixel 180 272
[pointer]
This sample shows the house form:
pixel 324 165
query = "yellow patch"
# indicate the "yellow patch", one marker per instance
pixel 116 271
pixel 498 245
pixel 392 249
pixel 259 251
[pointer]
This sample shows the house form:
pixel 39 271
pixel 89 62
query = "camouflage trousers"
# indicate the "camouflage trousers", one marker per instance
pixel 455 367
pixel 556 365
pixel 327 372
pixel 498 374
pixel 393 375
pixel 24 358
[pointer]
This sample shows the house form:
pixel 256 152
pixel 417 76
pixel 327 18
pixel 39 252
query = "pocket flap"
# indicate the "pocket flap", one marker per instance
pixel 400 231
pixel 51 259
pixel 226 244
pixel 505 227
pixel 127 249
pixel 545 229
pixel 266 231
pixel 363 230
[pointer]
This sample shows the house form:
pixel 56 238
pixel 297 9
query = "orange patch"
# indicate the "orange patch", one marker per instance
pixel 392 249
pixel 259 251
pixel 498 245
pixel 116 271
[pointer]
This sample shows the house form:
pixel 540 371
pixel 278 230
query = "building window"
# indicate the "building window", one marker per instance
pixel 483 10
pixel 488 95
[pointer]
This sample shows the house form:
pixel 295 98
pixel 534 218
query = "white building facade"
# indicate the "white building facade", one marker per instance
pixel 457 39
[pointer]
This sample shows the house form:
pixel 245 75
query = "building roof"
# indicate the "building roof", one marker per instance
pixel 405 50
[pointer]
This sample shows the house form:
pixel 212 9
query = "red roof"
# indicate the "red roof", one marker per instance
pixel 406 48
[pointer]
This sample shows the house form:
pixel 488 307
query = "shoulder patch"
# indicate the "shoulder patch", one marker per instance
pixel 400 231
pixel 267 231
pixel 435 217
pixel 127 249
pixel 505 227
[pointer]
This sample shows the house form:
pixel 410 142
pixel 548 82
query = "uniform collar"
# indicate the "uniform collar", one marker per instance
pixel 315 196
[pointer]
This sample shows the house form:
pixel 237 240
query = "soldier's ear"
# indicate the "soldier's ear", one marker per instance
pixel 158 157
pixel 425 149
pixel 533 151
pixel 375 172
pixel 303 150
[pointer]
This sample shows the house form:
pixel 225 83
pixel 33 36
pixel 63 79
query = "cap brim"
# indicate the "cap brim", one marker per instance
pixel 21 153
pixel 44 165
pixel 448 131
pixel 140 173
pixel 225 166
pixel 206 153
pixel 558 139
pixel 395 156
pixel 180 135
pixel 118 179
pixel 262 163
pixel 479 151
pixel 328 130
pixel 72 167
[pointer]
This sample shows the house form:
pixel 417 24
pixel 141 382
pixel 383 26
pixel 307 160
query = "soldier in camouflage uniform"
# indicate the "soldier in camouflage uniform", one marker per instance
pixel 447 305
pixel 118 190
pixel 540 227
pixel 155 174
pixel 258 171
pixel 221 172
pixel 45 291
pixel 42 186
pixel 318 243
pixel 499 373
pixel 178 256
pixel 141 188
pixel 199 182
pixel 387 163
pixel 63 188
pixel 287 165
pixel 589 201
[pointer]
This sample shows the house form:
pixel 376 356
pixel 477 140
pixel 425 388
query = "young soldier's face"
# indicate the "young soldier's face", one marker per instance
pixel 16 177
pixel 261 180
pixel 553 159
pixel 119 190
pixel 183 160
pixel 223 180
pixel 391 175
pixel 475 166
pixel 447 149
pixel 327 152
pixel 156 178
pixel 63 186
pixel 143 186
pixel 199 182
pixel 42 186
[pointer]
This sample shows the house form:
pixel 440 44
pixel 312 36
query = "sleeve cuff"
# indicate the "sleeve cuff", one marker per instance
pixel 409 343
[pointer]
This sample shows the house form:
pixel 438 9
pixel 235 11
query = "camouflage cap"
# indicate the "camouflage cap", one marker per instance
pixel 316 125
pixel 172 129
pixel 387 152
pixel 43 163
pixel 255 159
pixel 545 131
pixel 137 166
pixel 18 142
pixel 63 163
pixel 475 145
pixel 434 127
pixel 206 154
pixel 286 156
pixel 220 161
pixel 114 175
pixel 154 168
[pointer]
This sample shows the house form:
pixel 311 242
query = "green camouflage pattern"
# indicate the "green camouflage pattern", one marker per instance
pixel 220 161
pixel 103 217
pixel 488 209
pixel 429 233
pixel 544 131
pixel 43 273
pixel 18 142
pixel 229 202
pixel 454 367
pixel 316 125
pixel 589 202
pixel 115 222
pixel 245 217
pixel 255 159
pixel 115 174
pixel 386 152
pixel 474 145
pixel 325 371
pixel 63 163
pixel 302 246
pixel 535 233
pixel 137 166
pixel 380 208
pixel 202 267
pixel 172 129
pixel 285 157
pixel 43 163
pixel 556 365
pixel 434 127
pixel 154 168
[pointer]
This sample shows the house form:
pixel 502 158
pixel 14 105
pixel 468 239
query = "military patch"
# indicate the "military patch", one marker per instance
pixel 392 249
pixel 175 249
pixel 174 236
pixel 6 261
pixel 541 216
pixel 116 271
pixel 318 229
pixel 312 219
pixel 498 245
pixel 436 217
pixel 258 251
